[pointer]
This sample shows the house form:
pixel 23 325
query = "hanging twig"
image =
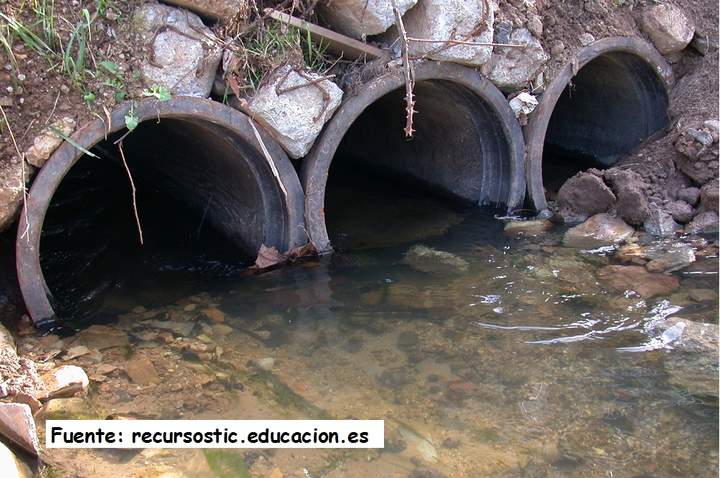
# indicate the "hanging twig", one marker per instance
pixel 269 158
pixel 409 74
pixel 23 178
pixel 132 186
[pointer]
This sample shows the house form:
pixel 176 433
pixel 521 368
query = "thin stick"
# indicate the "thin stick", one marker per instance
pixel 22 168
pixel 132 186
pixel 269 159
pixel 409 74
pixel 463 42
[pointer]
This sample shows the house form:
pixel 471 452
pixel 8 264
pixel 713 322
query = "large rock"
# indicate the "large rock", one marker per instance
pixel 680 211
pixel 629 188
pixel 18 426
pixel 582 196
pixel 703 223
pixel 426 259
pixel 45 144
pixel 513 69
pixel 359 18
pixel 600 230
pixel 294 109
pixel 180 55
pixel 636 278
pixel 215 9
pixel 11 192
pixel 669 258
pixel 463 20
pixel 709 195
pixel 12 466
pixel 668 27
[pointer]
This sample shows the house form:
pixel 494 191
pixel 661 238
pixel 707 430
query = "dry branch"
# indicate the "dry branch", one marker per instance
pixel 132 186
pixel 409 74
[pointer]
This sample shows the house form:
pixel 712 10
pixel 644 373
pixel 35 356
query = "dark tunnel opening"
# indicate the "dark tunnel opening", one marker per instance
pixel 90 249
pixel 383 188
pixel 613 104
pixel 210 190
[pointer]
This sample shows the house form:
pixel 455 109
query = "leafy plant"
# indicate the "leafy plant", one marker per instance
pixel 157 91
pixel 131 119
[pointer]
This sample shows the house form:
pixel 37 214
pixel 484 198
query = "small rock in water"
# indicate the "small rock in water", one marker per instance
pixel 266 363
pixel 142 371
pixel 703 295
pixel 67 409
pixel 426 259
pixel 18 426
pixel 670 259
pixel 213 314
pixel 646 284
pixel 66 381
pixel 101 337
pixel 183 329
pixel 75 352
pixel 661 224
pixel 600 230
pixel 529 228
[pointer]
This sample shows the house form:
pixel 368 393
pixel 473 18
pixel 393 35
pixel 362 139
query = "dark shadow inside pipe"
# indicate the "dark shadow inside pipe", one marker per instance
pixel 612 105
pixel 191 195
pixel 459 154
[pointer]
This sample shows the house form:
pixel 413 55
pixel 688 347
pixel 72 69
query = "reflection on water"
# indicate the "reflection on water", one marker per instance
pixel 517 367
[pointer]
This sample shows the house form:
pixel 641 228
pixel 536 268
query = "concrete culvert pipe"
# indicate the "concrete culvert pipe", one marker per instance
pixel 202 154
pixel 600 106
pixel 467 143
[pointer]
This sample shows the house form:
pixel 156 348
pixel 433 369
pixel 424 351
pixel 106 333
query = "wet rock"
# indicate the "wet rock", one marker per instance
pixel 215 9
pixel 693 363
pixel 660 224
pixel 600 230
pixel 464 20
pixel 213 314
pixel 45 144
pixel 528 228
pixel 668 27
pixel 407 340
pixel 359 18
pixel 222 330
pixel 184 329
pixel 11 192
pixel 703 223
pixel 690 195
pixel 629 187
pixel 75 352
pixel 66 381
pixel 709 195
pixel 12 466
pixel 703 295
pixel 512 69
pixel 582 196
pixel 396 377
pixel 293 109
pixel 425 473
pixel 670 259
pixel 631 254
pixel 75 408
pixel 266 363
pixel 101 337
pixel 522 105
pixel 181 57
pixel 426 259
pixel 680 211
pixel 142 371
pixel 18 426
pixel 636 278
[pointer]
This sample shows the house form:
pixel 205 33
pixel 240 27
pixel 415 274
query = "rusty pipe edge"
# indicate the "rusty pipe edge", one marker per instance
pixel 537 128
pixel 484 137
pixel 280 207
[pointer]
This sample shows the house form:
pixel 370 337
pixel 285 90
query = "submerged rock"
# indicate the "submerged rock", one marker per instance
pixel 463 20
pixel 75 408
pixel 426 259
pixel 101 337
pixel 293 106
pixel 600 230
pixel 181 55
pixel 529 228
pixel 670 258
pixel 142 371
pixel 636 278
